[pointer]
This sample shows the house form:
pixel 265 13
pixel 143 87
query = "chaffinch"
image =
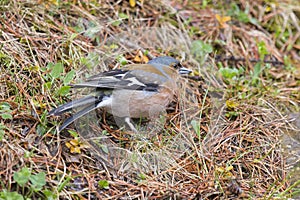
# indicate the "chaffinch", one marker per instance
pixel 136 90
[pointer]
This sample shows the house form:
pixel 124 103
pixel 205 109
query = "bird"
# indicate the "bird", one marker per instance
pixel 134 91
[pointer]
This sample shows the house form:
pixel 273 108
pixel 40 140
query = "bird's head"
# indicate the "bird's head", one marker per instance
pixel 171 62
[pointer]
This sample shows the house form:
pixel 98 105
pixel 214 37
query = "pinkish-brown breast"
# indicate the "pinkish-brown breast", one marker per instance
pixel 136 104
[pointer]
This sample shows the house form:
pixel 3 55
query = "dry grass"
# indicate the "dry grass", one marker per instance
pixel 220 139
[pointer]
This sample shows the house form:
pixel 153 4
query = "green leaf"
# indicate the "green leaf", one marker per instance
pixel 91 60
pixel 49 66
pixel 257 70
pixel 69 77
pixel 4 106
pixel 236 13
pixel 73 133
pixel 57 69
pixel 6 116
pixel 47 85
pixel 80 27
pixel 103 184
pixel 2 127
pixel 104 148
pixel 64 90
pixel 73 36
pixel 28 154
pixel 44 118
pixel 104 132
pixel 5 195
pixel 229 73
pixel 142 176
pixel 93 31
pixel 262 50
pixel 123 16
pixel 2 132
pixel 41 129
pixel 230 114
pixel 122 60
pixel 146 52
pixel 43 69
pixel 49 194
pixel 38 181
pixel 64 183
pixel 196 127
pixel 5 111
pixel 22 176
pixel 200 48
pixel 116 23
pixel 113 46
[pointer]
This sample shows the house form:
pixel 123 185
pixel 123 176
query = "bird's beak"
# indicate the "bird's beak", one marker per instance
pixel 183 70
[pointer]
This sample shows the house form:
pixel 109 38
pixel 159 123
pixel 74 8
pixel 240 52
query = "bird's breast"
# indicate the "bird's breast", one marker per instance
pixel 136 104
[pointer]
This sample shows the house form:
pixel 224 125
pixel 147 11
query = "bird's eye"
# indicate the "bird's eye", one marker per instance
pixel 176 65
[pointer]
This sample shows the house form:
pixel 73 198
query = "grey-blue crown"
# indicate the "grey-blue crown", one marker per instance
pixel 164 60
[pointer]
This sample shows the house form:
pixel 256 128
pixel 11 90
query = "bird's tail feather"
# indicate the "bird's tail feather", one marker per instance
pixel 78 115
pixel 103 102
pixel 74 104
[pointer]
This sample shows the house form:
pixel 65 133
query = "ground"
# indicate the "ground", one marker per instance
pixel 232 132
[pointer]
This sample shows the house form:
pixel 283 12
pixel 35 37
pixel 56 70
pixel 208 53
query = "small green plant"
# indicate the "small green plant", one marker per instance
pixel 5 111
pixel 243 16
pixel 90 61
pixel 36 181
pixel 57 72
pixel 5 195
pixel 200 50
pixel 141 177
pixel 122 16
pixel 122 60
pixel 22 176
pixel 260 66
pixel 196 126
pixel 2 130
pixel 103 184
pixel 34 184
pixel 231 109
pixel 5 59
pixel 230 74
pixel 205 3
pixel 42 126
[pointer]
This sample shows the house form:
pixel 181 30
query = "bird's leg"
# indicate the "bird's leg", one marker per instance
pixel 127 120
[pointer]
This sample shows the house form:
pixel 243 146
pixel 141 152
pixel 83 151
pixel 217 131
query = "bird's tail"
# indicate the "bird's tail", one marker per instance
pixel 87 103
pixel 77 115
pixel 74 104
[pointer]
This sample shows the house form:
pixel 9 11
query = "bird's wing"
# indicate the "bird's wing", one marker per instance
pixel 132 77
